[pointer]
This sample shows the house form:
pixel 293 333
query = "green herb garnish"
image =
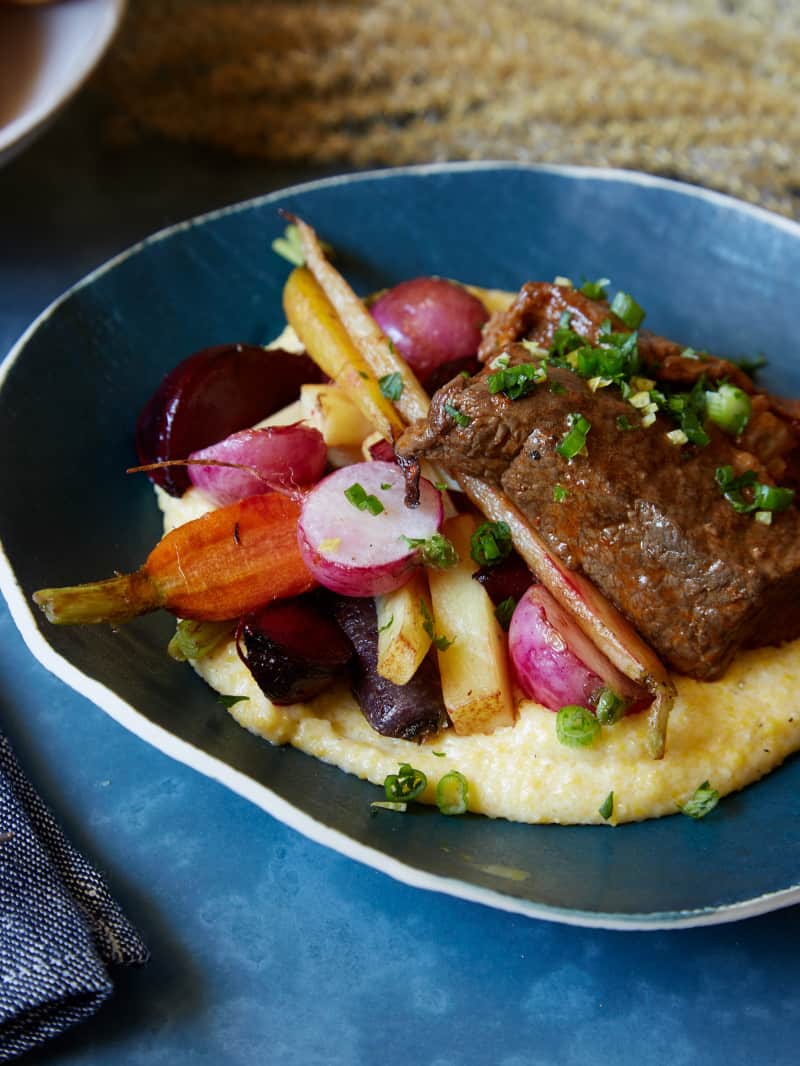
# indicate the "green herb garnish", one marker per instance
pixel 504 611
pixel 595 290
pixel 516 381
pixel 625 307
pixel 391 385
pixel 559 494
pixel 688 409
pixel 574 440
pixel 609 707
pixel 606 809
pixel 576 726
pixel 459 418
pixel 750 365
pixel 491 543
pixel 229 701
pixel 435 551
pixel 438 641
pixel 624 423
pixel 761 497
pixel 405 785
pixel 704 800
pixel 452 793
pixel 358 496
pixel 729 407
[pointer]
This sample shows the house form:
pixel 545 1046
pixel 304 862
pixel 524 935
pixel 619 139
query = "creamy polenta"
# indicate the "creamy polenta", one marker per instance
pixel 729 732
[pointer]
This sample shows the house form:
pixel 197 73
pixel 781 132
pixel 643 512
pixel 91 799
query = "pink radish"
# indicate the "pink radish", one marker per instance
pixel 354 528
pixel 555 662
pixel 286 456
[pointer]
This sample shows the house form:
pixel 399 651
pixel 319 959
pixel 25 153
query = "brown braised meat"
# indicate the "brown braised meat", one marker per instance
pixel 643 518
pixel 773 433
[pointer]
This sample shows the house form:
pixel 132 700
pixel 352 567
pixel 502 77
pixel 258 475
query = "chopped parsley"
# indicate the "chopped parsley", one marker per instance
pixel 439 642
pixel 358 496
pixel 457 416
pixel 705 799
pixel 504 611
pixel 435 551
pixel 491 543
pixel 608 706
pixel 391 385
pixel 229 701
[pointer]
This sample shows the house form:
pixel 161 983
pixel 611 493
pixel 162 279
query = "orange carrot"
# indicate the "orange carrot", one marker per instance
pixel 218 567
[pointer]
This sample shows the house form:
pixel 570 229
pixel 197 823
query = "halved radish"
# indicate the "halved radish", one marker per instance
pixel 354 528
pixel 555 662
pixel 261 459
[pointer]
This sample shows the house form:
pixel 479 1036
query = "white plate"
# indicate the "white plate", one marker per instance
pixel 46 53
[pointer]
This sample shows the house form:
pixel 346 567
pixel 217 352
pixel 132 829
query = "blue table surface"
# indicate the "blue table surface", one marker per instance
pixel 265 946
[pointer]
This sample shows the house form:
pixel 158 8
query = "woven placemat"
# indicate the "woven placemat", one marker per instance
pixel 706 91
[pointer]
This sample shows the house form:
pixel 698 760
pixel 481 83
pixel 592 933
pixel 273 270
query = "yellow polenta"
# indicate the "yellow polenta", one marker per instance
pixel 729 732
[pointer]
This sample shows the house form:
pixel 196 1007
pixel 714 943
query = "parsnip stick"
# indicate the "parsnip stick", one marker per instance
pixel 403 640
pixel 363 330
pixel 319 327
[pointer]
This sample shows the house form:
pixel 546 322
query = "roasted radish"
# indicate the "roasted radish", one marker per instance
pixel 356 535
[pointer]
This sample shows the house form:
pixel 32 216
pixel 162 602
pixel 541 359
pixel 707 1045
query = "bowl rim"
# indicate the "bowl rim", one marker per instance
pixel 259 794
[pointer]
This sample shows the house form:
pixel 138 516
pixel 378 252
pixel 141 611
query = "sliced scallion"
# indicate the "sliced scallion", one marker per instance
pixel 576 726
pixel 574 440
pixel 491 543
pixel 705 799
pixel 452 793
pixel 625 307
pixel 407 784
pixel 729 407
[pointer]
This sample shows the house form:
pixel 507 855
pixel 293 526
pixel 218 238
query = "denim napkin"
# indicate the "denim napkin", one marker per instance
pixel 59 926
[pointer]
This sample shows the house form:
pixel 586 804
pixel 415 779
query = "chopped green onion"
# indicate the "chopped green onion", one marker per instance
pixel 764 517
pixel 438 641
pixel 386 485
pixel 764 497
pixel 439 754
pixel 504 610
pixel 406 784
pixel 689 410
pixel 357 495
pixel 391 385
pixel 606 809
pixel 625 307
pixel 624 423
pixel 516 381
pixel 729 407
pixel 556 388
pixel 452 793
pixel 595 290
pixel 194 640
pixel 491 543
pixel 609 707
pixel 750 365
pixel 435 551
pixel 574 441
pixel 457 416
pixel 576 727
pixel 559 494
pixel 230 701
pixel 677 437
pixel 388 805
pixel 704 800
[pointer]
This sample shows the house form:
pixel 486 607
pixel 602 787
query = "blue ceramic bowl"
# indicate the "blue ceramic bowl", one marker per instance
pixel 711 272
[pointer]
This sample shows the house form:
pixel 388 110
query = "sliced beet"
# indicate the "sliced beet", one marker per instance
pixel 293 649
pixel 209 396
pixel 411 711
